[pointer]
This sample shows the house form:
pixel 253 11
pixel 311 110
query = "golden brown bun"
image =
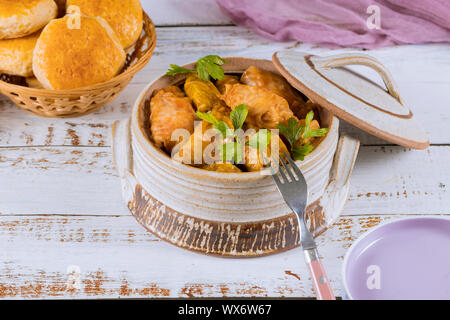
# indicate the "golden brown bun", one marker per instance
pixel 16 55
pixel 67 57
pixel 19 18
pixel 124 16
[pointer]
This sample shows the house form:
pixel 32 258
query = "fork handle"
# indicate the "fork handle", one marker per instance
pixel 319 277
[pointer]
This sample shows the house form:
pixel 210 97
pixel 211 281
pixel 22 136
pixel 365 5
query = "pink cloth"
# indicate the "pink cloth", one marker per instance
pixel 342 23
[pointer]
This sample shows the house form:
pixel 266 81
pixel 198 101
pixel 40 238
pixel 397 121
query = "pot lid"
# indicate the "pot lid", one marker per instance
pixel 351 96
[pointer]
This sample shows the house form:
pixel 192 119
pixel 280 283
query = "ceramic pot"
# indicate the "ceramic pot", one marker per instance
pixel 231 214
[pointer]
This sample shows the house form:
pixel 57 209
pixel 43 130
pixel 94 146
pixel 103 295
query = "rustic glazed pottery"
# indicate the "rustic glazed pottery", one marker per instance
pixel 352 97
pixel 229 214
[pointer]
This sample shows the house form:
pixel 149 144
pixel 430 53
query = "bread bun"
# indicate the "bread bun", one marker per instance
pixel 16 55
pixel 124 16
pixel 69 56
pixel 19 18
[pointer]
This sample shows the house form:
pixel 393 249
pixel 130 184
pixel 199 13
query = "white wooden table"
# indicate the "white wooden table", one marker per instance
pixel 61 206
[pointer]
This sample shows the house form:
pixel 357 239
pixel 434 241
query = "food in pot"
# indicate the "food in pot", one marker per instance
pixel 254 76
pixel 204 94
pixel 193 152
pixel 302 111
pixel 254 160
pixel 170 109
pixel 241 127
pixel 227 79
pixel 222 167
pixel 266 109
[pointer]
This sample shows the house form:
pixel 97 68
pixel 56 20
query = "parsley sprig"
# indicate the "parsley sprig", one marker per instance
pixel 220 126
pixel 298 136
pixel 176 69
pixel 238 116
pixel 233 151
pixel 207 67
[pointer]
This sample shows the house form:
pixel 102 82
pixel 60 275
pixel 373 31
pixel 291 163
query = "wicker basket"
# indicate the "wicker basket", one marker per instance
pixel 77 102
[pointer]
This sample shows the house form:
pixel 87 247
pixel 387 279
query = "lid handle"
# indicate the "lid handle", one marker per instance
pixel 341 60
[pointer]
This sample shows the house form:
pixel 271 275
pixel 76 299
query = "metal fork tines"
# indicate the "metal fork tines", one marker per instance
pixel 294 191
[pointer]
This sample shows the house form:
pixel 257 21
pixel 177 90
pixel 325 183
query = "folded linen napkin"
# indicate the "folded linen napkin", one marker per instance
pixel 344 23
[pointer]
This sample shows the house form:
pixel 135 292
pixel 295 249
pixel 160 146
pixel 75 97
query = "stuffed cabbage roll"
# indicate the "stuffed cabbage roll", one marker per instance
pixel 308 106
pixel 204 136
pixel 253 159
pixel 222 113
pixel 254 76
pixel 227 79
pixel 265 108
pixel 204 94
pixel 192 151
pixel 222 167
pixel 169 110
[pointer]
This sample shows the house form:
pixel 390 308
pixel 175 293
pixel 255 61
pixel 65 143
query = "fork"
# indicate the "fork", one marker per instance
pixel 295 192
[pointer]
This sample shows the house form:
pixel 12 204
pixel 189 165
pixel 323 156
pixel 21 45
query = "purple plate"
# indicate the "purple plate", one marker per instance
pixel 403 259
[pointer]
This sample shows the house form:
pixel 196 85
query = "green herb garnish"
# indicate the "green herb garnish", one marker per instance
pixel 238 116
pixel 207 67
pixel 224 129
pixel 220 126
pixel 208 117
pixel 309 133
pixel 210 66
pixel 292 132
pixel 299 152
pixel 233 151
pixel 175 69
pixel 298 136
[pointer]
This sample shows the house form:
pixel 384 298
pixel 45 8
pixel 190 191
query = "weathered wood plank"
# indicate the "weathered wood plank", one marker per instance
pixel 423 83
pixel 397 180
pixel 180 12
pixel 118 258
pixel 60 181
pixel 67 180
